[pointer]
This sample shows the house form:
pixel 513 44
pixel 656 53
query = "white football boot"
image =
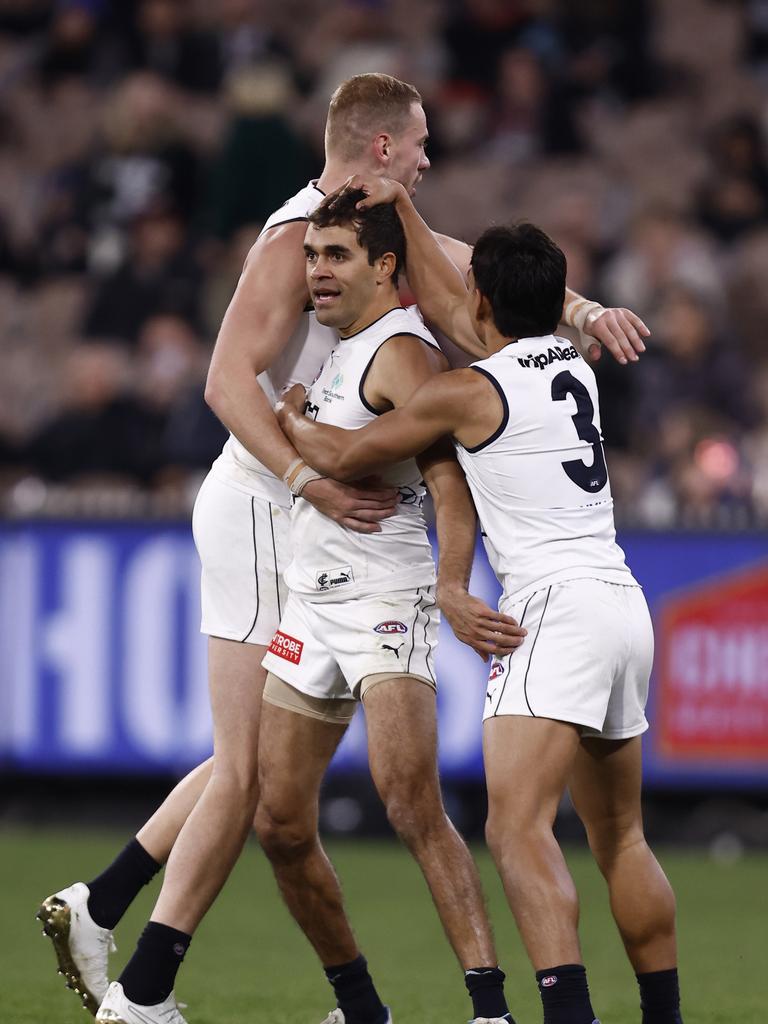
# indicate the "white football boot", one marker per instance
pixel 490 1020
pixel 81 946
pixel 116 1008
pixel 337 1017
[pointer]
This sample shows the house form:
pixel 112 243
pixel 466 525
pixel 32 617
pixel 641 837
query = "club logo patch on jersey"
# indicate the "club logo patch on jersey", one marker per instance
pixel 391 626
pixel 552 355
pixel 549 981
pixel 287 647
pixel 497 669
pixel 338 577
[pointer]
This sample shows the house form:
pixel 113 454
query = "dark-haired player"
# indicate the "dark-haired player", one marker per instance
pixel 360 622
pixel 567 707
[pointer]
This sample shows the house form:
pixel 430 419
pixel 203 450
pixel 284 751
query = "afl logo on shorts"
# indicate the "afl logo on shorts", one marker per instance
pixel 497 669
pixel 549 981
pixel 391 626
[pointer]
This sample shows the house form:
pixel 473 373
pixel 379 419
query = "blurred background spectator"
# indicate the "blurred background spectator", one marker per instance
pixel 142 145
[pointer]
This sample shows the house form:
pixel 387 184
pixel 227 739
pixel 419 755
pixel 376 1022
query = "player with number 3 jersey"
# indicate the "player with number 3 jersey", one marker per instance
pixel 567 707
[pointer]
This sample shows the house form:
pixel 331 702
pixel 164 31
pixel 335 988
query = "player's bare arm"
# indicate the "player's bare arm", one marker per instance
pixel 431 257
pixel 460 403
pixel 480 627
pixel 265 309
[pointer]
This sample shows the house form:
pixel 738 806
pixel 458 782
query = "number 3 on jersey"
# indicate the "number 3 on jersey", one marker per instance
pixel 589 478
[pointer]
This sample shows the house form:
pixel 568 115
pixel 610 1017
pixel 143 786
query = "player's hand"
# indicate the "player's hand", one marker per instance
pixel 620 331
pixel 486 631
pixel 356 506
pixel 377 190
pixel 292 400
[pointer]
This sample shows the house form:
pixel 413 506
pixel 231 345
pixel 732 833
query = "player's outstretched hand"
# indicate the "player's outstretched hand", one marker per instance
pixel 359 507
pixel 486 631
pixel 620 331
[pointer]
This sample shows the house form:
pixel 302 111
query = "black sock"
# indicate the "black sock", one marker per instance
pixel 565 995
pixel 486 990
pixel 150 974
pixel 660 997
pixel 115 889
pixel 355 993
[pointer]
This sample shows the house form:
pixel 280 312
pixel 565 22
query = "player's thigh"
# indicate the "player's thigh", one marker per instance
pixel 244 547
pixel 236 685
pixel 295 750
pixel 606 783
pixel 527 765
pixel 300 653
pixel 401 721
pixel 625 714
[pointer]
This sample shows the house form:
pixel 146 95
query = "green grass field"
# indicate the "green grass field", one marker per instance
pixel 249 964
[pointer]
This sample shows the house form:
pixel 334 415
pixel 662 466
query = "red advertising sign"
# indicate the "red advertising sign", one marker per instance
pixel 713 670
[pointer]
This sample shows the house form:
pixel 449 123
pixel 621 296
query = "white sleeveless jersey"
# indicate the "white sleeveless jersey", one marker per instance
pixel 330 562
pixel 540 483
pixel 298 363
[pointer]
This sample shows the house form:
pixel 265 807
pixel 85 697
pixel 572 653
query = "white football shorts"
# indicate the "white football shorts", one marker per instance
pixel 243 542
pixel 586 659
pixel 326 648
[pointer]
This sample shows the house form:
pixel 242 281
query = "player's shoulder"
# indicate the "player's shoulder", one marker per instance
pixel 296 209
pixel 411 347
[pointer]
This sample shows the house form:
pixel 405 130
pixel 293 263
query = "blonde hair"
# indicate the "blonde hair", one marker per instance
pixel 362 107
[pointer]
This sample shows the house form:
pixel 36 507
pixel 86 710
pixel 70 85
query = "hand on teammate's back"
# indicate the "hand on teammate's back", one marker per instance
pixel 359 507
pixel 486 631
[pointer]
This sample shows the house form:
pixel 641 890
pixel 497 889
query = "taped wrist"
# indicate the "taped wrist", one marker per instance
pixel 298 475
pixel 580 312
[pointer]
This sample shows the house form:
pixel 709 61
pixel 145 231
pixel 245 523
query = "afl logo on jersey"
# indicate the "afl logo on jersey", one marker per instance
pixel 497 669
pixel 391 626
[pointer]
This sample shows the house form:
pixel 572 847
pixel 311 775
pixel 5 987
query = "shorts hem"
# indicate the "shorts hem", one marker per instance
pixel 559 716
pixel 619 734
pixel 383 676
pixel 221 634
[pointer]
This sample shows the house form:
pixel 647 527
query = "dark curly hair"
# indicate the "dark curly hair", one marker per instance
pixel 378 229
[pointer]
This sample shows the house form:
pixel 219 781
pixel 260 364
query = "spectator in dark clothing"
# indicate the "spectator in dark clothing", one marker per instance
pixel 165 43
pixel 75 48
pixel 102 431
pixel 263 159
pixel 159 276
pixel 735 198
pixel 690 364
pixel 143 163
pixel 480 33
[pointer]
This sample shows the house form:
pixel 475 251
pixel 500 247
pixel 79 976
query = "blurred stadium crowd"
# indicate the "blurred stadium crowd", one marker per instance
pixel 143 143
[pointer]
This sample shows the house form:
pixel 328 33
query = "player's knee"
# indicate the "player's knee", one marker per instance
pixel 611 835
pixel 240 781
pixel 507 828
pixel 284 841
pixel 413 815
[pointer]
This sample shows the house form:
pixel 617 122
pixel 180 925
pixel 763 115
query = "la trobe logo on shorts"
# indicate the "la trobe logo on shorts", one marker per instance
pixel 287 647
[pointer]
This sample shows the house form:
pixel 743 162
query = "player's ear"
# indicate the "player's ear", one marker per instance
pixel 382 148
pixel 386 267
pixel 481 307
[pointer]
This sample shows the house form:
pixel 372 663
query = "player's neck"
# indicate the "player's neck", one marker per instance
pixel 336 172
pixel 494 341
pixel 375 311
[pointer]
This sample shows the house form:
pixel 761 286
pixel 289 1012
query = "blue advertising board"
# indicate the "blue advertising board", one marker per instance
pixel 103 668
